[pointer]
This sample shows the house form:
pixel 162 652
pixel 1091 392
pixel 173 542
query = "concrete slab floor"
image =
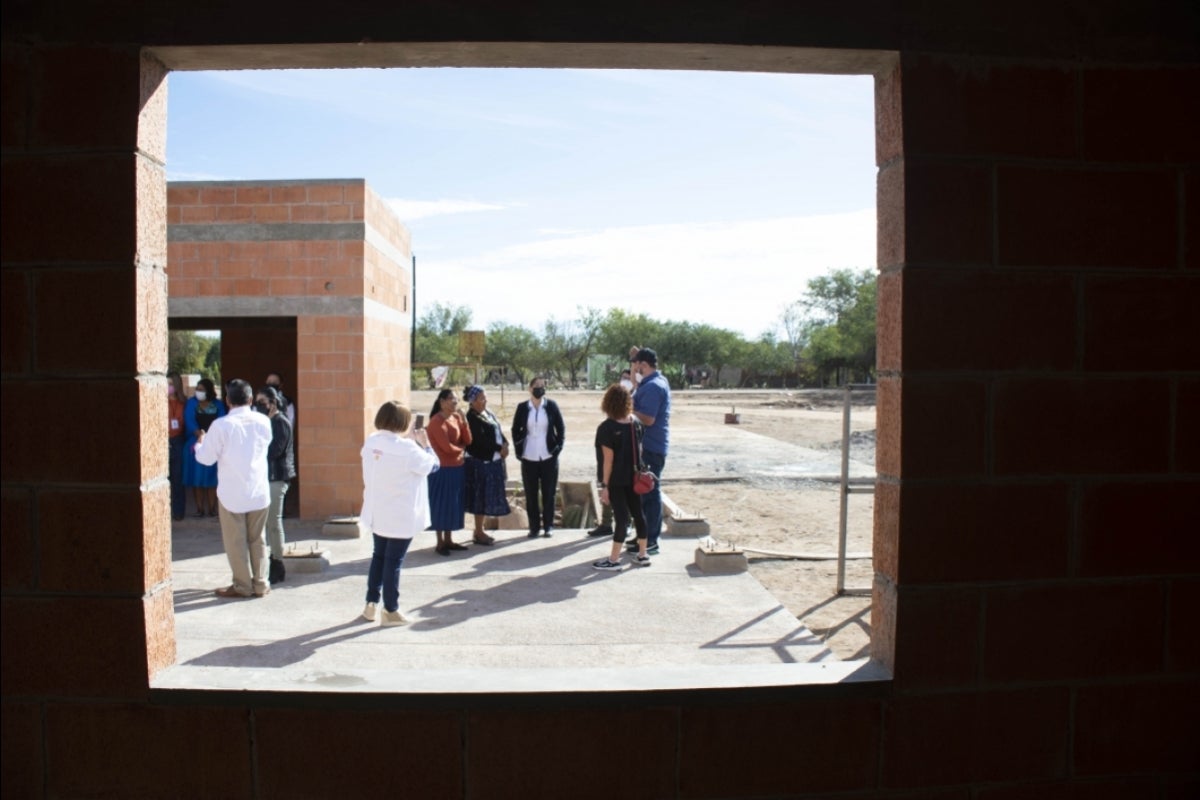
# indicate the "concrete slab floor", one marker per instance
pixel 522 612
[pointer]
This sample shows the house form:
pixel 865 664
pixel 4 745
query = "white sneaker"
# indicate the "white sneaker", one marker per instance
pixel 391 618
pixel 369 613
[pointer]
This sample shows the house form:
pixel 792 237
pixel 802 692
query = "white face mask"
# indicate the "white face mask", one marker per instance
pixel 637 377
pixel 628 384
pixel 201 395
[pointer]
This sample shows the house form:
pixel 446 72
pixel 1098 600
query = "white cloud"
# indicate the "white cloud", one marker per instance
pixel 734 275
pixel 409 210
pixel 176 175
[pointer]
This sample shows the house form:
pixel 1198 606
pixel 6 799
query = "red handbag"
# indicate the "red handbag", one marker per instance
pixel 643 479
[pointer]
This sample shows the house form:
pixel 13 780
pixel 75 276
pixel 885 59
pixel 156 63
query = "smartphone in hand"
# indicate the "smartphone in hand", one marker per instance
pixel 419 422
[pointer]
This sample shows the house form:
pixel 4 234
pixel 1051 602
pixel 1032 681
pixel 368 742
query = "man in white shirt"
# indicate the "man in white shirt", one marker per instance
pixel 237 443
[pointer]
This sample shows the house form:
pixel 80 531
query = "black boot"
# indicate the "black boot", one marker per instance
pixel 276 573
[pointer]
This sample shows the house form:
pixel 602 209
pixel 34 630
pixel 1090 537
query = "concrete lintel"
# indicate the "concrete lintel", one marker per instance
pixel 267 232
pixel 278 306
pixel 579 55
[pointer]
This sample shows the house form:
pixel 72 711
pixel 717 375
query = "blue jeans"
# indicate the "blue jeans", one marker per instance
pixel 652 500
pixel 384 572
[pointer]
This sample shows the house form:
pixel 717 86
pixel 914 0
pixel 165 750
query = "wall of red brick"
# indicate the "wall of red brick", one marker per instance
pixel 1037 236
pixel 341 373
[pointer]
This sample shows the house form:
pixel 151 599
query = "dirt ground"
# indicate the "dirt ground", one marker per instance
pixel 767 485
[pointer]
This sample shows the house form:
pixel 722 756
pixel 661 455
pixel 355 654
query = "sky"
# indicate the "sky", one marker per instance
pixel 706 197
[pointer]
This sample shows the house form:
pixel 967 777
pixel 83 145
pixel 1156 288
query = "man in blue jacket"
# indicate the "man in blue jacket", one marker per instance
pixel 652 405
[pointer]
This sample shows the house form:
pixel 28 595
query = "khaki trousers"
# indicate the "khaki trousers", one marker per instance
pixel 246 550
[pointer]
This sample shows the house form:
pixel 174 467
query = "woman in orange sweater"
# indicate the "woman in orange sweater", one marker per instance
pixel 449 436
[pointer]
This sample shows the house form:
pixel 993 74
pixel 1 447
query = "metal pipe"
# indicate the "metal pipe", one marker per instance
pixel 412 335
pixel 845 494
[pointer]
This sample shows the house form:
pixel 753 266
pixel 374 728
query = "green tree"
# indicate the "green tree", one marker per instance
pixel 515 349
pixel 212 361
pixel 765 358
pixel 190 353
pixel 568 344
pixel 840 325
pixel 828 297
pixel 796 329
pixel 620 330
pixel 437 336
pixel 186 351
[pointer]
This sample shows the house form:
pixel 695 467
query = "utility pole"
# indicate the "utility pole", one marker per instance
pixel 412 336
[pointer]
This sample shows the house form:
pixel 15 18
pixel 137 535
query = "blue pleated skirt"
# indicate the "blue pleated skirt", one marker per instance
pixel 446 499
pixel 195 473
pixel 486 488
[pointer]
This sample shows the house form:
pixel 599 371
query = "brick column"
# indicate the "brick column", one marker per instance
pixel 87 593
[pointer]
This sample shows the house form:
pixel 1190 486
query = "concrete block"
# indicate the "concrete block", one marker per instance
pixel 694 527
pixel 309 561
pixel 721 562
pixel 343 528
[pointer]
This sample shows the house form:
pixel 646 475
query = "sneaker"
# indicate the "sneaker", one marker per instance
pixel 652 550
pixel 641 561
pixel 601 530
pixel 370 612
pixel 607 565
pixel 546 534
pixel 392 618
pixel 276 572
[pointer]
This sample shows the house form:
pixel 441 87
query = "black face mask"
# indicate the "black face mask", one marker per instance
pixel 263 407
pixel 539 391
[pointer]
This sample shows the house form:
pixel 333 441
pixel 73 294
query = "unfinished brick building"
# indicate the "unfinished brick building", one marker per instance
pixel 310 279
pixel 1039 248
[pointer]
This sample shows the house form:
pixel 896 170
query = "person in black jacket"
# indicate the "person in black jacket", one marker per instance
pixel 281 468
pixel 538 433
pixel 486 472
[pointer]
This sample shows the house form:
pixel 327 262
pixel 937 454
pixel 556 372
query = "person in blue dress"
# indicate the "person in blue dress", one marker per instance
pixel 201 410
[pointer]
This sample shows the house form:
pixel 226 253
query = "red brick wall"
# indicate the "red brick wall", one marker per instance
pixel 339 374
pixel 1037 583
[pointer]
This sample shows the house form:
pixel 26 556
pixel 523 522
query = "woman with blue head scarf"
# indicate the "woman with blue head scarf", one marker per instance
pixel 486 472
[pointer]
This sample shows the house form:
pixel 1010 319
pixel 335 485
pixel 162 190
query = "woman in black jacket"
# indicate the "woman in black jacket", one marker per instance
pixel 486 472
pixel 538 432
pixel 281 468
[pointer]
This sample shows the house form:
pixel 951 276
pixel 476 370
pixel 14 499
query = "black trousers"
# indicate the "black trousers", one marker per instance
pixel 540 480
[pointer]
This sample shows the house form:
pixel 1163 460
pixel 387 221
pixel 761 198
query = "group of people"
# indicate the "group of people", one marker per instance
pixel 428 475
pixel 420 477
pixel 239 462
pixel 473 474
pixel 635 434
pixel 431 476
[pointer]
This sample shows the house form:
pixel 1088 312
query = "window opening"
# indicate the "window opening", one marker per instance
pixel 700 289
